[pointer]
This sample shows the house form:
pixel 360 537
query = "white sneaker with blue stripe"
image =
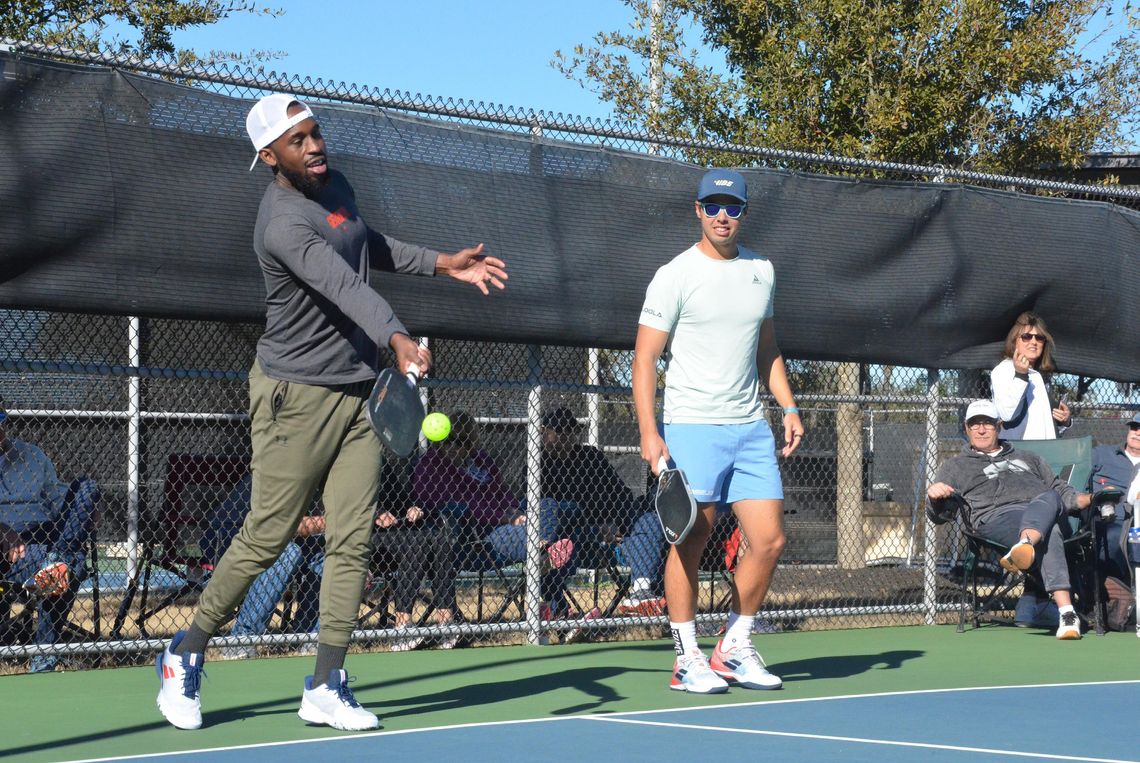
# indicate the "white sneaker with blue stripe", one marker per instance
pixel 744 667
pixel 691 673
pixel 333 704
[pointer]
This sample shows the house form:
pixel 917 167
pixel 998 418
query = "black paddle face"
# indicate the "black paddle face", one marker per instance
pixel 676 509
pixel 396 412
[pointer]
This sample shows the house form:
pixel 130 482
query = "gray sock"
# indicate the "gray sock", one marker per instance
pixel 329 658
pixel 194 641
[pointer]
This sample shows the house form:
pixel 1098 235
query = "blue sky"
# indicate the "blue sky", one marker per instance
pixel 495 51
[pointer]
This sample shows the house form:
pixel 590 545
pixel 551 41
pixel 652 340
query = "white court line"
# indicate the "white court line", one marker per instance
pixel 614 716
pixel 909 692
pixel 860 740
pixel 346 737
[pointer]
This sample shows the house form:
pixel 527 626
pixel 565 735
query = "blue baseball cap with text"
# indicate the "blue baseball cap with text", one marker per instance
pixel 723 183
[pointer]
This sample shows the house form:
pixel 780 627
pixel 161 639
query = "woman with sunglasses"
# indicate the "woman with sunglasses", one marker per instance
pixel 1020 384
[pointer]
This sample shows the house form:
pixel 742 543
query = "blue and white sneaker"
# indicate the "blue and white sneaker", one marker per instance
pixel 333 704
pixel 743 667
pixel 691 673
pixel 179 680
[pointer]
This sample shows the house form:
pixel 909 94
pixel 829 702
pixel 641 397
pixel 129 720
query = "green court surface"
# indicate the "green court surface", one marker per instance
pixel 107 713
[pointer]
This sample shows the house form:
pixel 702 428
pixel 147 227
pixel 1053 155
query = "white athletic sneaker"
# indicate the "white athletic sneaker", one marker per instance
pixel 743 667
pixel 334 705
pixel 179 679
pixel 406 643
pixel 239 652
pixel 1070 628
pixel 691 673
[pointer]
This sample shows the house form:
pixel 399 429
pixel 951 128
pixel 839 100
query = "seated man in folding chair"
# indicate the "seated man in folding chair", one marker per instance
pixel 1013 499
pixel 1119 466
pixel 43 529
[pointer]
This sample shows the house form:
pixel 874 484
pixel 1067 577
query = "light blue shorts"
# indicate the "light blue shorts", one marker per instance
pixel 727 462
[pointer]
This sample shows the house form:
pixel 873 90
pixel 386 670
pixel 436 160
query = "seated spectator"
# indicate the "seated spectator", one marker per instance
pixel 458 479
pixel 418 543
pixel 1013 499
pixel 597 509
pixel 42 535
pixel 301 562
pixel 1020 384
pixel 1119 466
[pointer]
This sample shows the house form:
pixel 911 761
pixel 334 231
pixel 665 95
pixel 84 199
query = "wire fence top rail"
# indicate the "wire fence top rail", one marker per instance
pixel 536 121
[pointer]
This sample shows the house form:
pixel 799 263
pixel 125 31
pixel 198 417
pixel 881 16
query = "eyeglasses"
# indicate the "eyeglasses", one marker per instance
pixel 981 424
pixel 1030 337
pixel 733 211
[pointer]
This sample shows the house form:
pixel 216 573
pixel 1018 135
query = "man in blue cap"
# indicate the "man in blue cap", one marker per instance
pixel 712 305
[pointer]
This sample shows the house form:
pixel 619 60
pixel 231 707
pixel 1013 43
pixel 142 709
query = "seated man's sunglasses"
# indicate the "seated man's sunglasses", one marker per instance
pixel 734 211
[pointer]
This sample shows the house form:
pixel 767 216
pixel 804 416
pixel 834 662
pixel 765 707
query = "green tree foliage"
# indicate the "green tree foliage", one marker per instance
pixel 148 25
pixel 991 85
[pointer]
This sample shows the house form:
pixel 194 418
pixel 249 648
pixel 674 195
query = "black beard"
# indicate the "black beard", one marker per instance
pixel 309 185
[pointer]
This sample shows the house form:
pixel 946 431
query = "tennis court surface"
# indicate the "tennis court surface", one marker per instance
pixel 884 694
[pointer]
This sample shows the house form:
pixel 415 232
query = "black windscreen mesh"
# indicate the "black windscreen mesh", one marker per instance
pixel 125 194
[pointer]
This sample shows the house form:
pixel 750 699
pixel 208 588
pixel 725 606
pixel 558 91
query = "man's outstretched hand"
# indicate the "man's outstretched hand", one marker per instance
pixel 471 266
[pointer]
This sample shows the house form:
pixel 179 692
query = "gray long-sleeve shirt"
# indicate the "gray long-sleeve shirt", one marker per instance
pixel 324 322
pixel 989 482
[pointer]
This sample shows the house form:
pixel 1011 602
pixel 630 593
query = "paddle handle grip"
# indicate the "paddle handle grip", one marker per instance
pixel 413 374
pixel 662 464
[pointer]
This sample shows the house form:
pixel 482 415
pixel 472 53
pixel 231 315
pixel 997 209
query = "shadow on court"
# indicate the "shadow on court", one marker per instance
pixel 843 666
pixel 588 681
pixel 551 671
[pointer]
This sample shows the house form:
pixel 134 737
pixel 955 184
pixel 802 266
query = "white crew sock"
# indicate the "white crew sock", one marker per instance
pixel 739 630
pixel 684 637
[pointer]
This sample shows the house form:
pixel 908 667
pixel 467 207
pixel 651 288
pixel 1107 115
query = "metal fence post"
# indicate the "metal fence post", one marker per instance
pixel 929 465
pixel 533 602
pixel 593 414
pixel 134 443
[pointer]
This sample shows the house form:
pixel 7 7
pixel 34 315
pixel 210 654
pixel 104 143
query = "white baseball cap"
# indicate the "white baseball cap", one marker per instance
pixel 983 408
pixel 269 119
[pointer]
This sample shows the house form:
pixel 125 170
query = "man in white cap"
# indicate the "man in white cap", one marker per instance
pixel 712 306
pixel 1014 499
pixel 315 366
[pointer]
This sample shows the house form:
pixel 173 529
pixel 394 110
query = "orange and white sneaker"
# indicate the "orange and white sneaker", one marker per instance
pixel 1019 558
pixel 51 580
pixel 691 673
pixel 743 667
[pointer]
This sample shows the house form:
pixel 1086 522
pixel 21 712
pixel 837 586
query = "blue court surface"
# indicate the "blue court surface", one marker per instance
pixel 1065 722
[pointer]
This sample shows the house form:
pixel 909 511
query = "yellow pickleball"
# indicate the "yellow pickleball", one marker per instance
pixel 436 426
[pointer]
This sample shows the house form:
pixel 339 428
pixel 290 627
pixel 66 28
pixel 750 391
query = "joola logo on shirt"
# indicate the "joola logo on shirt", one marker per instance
pixel 339 217
pixel 652 312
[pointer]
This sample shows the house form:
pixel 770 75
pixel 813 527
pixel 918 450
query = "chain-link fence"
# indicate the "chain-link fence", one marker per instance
pixel 145 424
pixel 156 454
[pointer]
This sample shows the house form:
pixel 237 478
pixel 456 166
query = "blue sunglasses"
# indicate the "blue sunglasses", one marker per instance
pixel 734 211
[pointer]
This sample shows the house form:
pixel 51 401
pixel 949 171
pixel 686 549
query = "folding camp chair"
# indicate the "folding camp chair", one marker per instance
pixel 194 483
pixel 1071 460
